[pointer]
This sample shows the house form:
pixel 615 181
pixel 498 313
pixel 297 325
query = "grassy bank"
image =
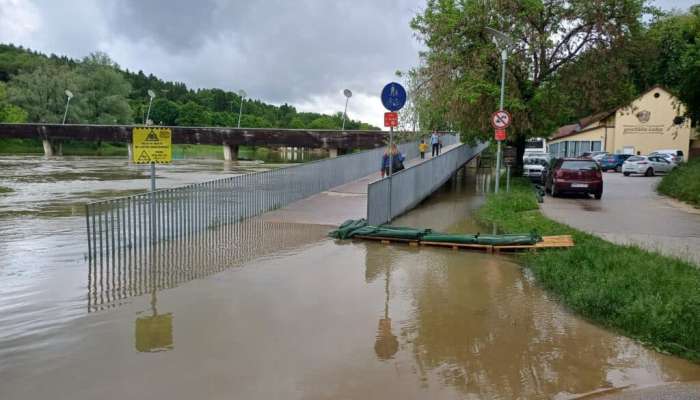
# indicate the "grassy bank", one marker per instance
pixel 683 183
pixel 644 295
pixel 70 148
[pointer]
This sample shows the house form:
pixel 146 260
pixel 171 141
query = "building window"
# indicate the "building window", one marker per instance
pixel 585 146
pixel 596 145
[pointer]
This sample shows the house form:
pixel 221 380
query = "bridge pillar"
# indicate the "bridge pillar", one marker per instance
pixel 130 151
pixel 230 152
pixel 332 152
pixel 52 148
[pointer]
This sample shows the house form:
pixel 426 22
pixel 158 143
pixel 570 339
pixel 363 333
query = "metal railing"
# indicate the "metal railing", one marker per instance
pixel 135 223
pixel 390 197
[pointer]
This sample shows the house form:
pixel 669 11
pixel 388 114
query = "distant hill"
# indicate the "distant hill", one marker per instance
pixel 32 87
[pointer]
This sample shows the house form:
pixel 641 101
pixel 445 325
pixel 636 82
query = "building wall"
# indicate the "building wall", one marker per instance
pixel 584 140
pixel 647 125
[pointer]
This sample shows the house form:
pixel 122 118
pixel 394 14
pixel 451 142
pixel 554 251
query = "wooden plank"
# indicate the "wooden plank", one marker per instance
pixel 560 241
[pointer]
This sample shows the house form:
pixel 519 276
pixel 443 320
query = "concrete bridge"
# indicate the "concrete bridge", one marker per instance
pixel 335 141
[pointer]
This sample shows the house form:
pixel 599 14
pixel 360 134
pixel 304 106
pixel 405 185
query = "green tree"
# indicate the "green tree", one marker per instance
pixel 8 112
pixel 103 91
pixel 460 74
pixel 41 93
pixel 164 112
pixel 193 114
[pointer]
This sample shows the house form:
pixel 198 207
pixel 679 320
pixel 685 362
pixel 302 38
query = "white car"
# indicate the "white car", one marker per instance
pixel 646 165
pixel 534 165
pixel 675 156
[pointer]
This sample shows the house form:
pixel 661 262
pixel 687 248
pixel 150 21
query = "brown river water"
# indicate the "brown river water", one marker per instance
pixel 261 310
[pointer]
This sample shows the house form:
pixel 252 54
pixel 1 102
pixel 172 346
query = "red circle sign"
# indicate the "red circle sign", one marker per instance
pixel 500 119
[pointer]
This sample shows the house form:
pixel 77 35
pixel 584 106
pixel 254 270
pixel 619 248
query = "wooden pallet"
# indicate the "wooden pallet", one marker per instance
pixel 548 242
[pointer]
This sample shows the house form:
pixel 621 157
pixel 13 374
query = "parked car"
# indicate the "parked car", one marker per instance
pixel 574 175
pixel 675 153
pixel 534 166
pixel 594 154
pixel 613 161
pixel 646 165
pixel 669 156
pixel 600 155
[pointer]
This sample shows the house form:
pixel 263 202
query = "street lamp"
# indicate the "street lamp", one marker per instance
pixel 348 95
pixel 69 95
pixel 504 43
pixel 240 110
pixel 151 94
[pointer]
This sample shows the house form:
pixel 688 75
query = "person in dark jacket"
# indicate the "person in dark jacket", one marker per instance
pixel 396 161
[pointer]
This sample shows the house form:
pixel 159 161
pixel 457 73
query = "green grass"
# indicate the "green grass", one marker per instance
pixel 642 294
pixel 683 183
pixel 4 190
pixel 70 148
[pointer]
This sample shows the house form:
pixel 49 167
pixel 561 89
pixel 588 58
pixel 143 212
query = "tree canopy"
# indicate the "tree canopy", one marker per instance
pixel 567 59
pixel 106 94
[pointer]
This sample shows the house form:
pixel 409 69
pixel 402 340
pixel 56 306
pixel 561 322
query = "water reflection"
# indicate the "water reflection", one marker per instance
pixel 154 333
pixel 168 264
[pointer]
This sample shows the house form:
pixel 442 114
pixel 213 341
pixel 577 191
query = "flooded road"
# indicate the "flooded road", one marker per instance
pixel 262 310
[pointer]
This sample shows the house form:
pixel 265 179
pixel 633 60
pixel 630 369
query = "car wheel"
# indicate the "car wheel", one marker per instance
pixel 618 169
pixel 598 195
pixel 649 172
pixel 626 173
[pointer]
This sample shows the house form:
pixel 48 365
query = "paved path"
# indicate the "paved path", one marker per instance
pixel 631 212
pixel 336 205
pixel 673 391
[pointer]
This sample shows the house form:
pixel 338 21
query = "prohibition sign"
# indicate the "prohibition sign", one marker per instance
pixel 500 119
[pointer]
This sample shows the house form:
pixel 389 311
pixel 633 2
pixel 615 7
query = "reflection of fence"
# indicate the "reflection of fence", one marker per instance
pixel 391 197
pixel 133 271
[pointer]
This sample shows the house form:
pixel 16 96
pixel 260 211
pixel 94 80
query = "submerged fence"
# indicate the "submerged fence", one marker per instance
pixel 391 197
pixel 138 222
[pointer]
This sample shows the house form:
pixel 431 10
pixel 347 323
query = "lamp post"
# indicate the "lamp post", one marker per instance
pixel 504 42
pixel 151 94
pixel 69 96
pixel 348 95
pixel 240 109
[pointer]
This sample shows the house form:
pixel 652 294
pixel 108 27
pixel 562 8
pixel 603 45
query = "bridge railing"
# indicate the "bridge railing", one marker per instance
pixel 125 227
pixel 390 197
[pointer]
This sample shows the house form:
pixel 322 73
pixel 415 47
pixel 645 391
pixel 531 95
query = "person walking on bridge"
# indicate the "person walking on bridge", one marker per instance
pixel 422 147
pixel 435 142
pixel 395 161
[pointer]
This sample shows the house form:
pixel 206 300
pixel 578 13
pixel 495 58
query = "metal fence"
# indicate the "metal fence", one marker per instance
pixel 137 222
pixel 393 196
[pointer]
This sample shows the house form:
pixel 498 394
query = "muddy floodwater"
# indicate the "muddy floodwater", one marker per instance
pixel 261 310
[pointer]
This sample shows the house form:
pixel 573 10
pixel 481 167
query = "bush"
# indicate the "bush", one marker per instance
pixel 683 183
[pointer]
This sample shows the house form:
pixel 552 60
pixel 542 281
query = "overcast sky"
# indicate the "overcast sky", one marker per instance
pixel 302 52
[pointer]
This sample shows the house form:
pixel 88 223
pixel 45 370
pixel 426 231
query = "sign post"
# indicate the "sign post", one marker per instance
pixel 152 145
pixel 500 120
pixel 393 98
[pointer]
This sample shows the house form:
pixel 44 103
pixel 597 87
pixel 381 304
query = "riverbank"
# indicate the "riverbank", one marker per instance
pixel 106 149
pixel 647 296
pixel 683 183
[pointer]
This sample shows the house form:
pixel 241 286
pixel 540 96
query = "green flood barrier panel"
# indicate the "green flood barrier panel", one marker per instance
pixel 359 227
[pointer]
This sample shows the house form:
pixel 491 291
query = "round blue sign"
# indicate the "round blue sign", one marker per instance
pixel 393 96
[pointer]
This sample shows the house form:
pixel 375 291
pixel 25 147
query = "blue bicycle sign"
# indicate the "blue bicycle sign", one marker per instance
pixel 393 96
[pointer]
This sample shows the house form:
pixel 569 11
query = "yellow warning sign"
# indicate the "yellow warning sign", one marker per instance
pixel 152 145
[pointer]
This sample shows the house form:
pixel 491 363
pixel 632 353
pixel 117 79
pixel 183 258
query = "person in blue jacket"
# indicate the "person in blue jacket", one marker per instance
pixel 396 158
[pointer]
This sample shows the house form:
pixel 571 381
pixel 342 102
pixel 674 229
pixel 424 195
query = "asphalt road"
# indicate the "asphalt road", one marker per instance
pixel 631 212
